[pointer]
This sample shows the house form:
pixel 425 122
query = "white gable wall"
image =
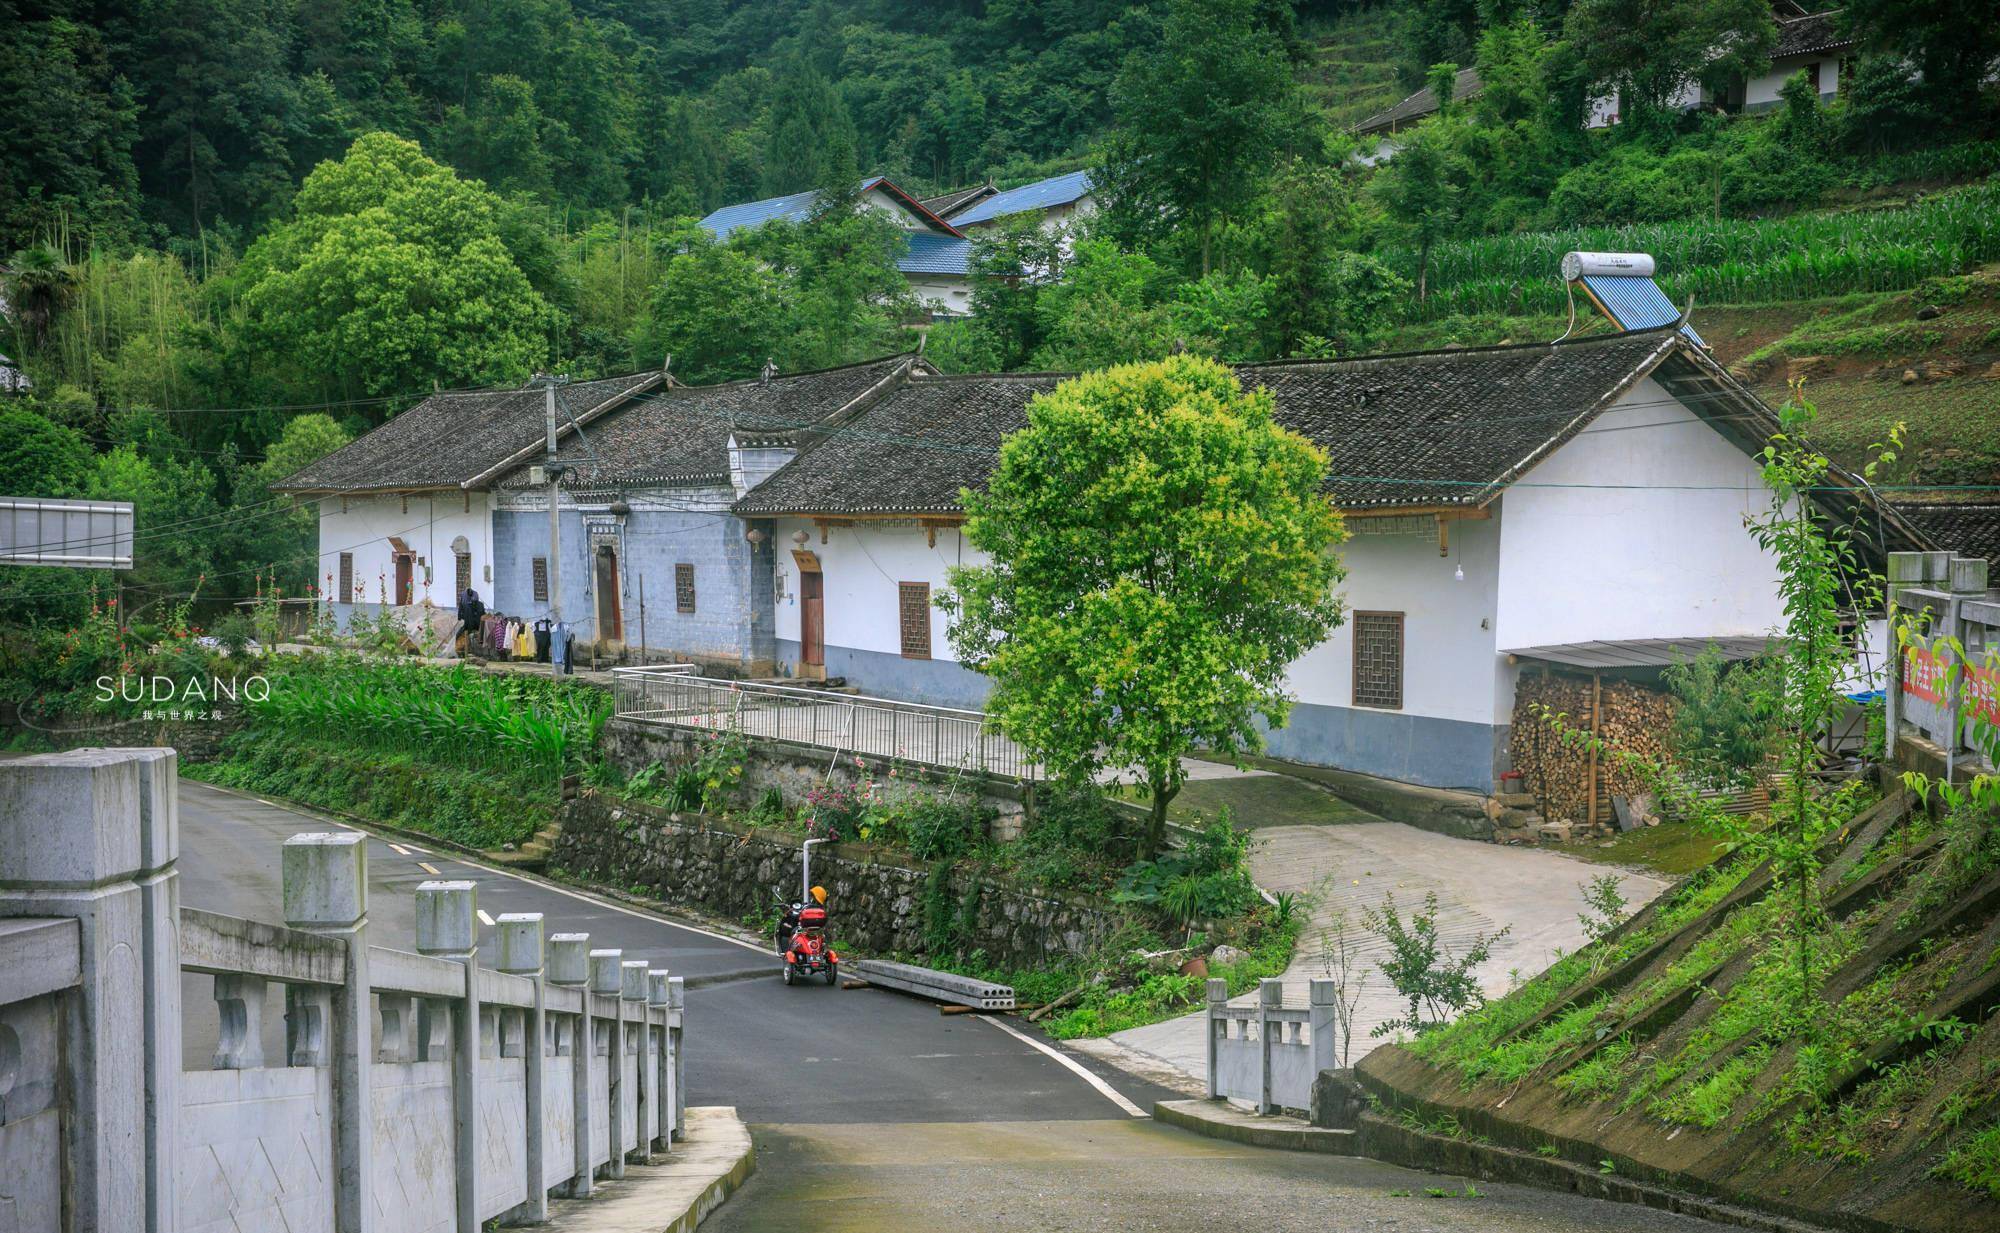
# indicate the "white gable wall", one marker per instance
pixel 433 520
pixel 1649 541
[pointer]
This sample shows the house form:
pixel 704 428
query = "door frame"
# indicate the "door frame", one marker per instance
pixel 617 610
pixel 812 617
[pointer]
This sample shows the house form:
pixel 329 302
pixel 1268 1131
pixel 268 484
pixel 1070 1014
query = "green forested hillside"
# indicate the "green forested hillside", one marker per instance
pixel 238 232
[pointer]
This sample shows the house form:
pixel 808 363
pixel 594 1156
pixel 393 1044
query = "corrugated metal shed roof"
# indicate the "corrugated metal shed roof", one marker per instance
pixel 1635 303
pixel 1643 652
pixel 1420 104
pixel 930 252
pixel 1041 195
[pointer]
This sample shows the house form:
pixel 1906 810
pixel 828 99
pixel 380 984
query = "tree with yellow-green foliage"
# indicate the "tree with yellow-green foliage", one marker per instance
pixel 1160 551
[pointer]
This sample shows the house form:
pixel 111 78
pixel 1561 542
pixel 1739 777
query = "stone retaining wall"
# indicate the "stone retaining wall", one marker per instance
pixel 878 899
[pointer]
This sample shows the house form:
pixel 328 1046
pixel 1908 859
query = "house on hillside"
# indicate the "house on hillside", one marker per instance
pixel 1058 200
pixel 1812 43
pixel 937 261
pixel 1508 507
pixel 443 497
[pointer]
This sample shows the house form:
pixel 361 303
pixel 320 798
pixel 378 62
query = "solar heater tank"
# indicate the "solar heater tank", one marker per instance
pixel 1615 265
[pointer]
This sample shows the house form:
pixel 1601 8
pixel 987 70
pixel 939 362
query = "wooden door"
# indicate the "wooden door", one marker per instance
pixel 812 618
pixel 405 583
pixel 610 618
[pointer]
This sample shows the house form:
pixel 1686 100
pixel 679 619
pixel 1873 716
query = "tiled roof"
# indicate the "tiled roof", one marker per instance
pixel 909 453
pixel 449 439
pixel 681 435
pixel 958 198
pixel 1802 36
pixel 931 253
pixel 1427 428
pixel 1967 529
pixel 1041 195
pixel 1421 104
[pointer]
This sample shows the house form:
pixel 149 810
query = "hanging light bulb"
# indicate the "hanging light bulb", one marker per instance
pixel 1458 575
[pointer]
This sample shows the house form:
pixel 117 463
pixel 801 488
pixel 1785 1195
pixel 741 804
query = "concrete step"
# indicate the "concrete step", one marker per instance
pixel 1218 1119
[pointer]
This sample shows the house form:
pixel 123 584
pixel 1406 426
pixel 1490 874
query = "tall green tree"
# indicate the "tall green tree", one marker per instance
pixel 1200 113
pixel 66 143
pixel 808 120
pixel 1953 44
pixel 717 313
pixel 391 278
pixel 1160 550
pixel 1420 189
pixel 1652 51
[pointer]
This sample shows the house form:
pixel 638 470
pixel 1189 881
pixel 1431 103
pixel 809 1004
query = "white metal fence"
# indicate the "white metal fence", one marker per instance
pixel 873 727
pixel 416 1091
pixel 1270 1053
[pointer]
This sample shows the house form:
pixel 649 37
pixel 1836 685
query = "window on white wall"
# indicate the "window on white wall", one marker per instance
pixel 913 602
pixel 1378 660
pixel 683 588
pixel 464 572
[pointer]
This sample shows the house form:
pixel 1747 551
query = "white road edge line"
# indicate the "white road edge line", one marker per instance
pixel 306 811
pixel 484 919
pixel 1110 1093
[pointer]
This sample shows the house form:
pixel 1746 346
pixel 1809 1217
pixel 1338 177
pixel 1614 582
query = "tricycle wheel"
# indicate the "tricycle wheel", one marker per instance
pixel 790 974
pixel 832 974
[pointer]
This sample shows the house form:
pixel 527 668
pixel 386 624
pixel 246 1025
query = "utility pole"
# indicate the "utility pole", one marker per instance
pixel 554 473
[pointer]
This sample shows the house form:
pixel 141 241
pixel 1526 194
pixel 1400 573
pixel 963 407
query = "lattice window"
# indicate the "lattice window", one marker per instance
pixel 464 572
pixel 1378 659
pixel 346 591
pixel 683 588
pixel 913 601
pixel 541 580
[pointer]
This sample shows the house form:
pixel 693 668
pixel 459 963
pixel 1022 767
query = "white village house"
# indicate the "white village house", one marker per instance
pixel 1579 504
pixel 1811 43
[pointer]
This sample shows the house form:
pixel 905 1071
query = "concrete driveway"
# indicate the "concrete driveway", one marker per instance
pixel 1345 870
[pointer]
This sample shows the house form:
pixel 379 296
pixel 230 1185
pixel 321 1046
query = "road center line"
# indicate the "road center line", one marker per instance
pixel 1110 1093
pixel 484 919
pixel 399 849
pixel 428 868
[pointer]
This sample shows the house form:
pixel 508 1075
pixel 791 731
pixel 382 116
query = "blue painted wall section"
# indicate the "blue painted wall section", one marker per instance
pixel 935 682
pixel 1419 749
pixel 729 629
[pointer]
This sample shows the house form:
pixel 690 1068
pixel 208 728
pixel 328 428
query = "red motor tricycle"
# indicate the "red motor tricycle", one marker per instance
pixel 807 951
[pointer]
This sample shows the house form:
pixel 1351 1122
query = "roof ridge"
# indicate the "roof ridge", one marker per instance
pixel 1483 349
pixel 917 378
pixel 806 372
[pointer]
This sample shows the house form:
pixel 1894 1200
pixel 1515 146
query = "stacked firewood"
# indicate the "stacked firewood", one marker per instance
pixel 1630 717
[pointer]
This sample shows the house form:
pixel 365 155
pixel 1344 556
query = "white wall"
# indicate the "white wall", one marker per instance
pixel 1762 91
pixel 944 295
pixel 861 565
pixel 430 524
pixel 1655 547
pixel 1449 664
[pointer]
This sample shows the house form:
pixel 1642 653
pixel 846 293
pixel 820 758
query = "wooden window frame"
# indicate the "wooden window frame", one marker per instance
pixel 684 589
pixel 346 584
pixel 914 623
pixel 463 573
pixel 539 569
pixel 1402 647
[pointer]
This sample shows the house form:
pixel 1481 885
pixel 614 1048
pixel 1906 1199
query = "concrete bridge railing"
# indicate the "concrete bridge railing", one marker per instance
pixel 430 1090
pixel 1270 1053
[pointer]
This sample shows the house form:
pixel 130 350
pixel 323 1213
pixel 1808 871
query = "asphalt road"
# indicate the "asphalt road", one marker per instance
pixel 800 1055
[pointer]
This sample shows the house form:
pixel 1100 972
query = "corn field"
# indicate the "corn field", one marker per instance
pixel 527 729
pixel 1732 261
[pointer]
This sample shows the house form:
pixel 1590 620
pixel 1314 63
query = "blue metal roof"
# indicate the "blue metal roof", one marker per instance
pixel 793 208
pixel 931 253
pixel 1636 303
pixel 1061 190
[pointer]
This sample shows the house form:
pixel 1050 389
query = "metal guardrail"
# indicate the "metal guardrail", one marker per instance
pixel 937 736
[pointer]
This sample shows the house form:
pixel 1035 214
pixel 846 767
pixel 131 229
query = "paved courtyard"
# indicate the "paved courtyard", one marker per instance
pixel 1345 870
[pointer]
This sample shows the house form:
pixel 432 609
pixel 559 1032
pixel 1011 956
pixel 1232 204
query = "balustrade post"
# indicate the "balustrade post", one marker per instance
pixel 638 1032
pixel 91 835
pixel 663 1079
pixel 1324 998
pixel 1270 995
pixel 1218 1024
pixel 676 1003
pixel 606 980
pixel 448 928
pixel 569 966
pixel 326 892
pixel 520 939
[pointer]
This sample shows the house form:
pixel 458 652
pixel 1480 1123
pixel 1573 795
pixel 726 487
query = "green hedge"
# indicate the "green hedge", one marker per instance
pixel 465 807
